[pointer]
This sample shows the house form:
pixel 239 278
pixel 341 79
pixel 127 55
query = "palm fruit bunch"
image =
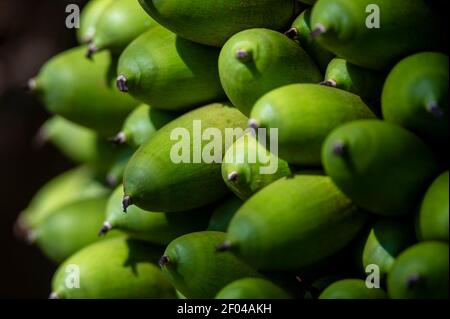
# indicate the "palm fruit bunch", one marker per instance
pixel 333 185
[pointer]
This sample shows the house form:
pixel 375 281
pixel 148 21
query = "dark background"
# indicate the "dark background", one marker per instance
pixel 30 33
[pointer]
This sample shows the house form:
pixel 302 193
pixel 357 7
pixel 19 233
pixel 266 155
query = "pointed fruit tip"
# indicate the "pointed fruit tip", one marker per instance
pixel 126 202
pixel 164 261
pixel 53 295
pixel 252 123
pixel 105 229
pixel 338 148
pixel 31 85
pixel 435 110
pixel 318 30
pixel 233 176
pixel 292 33
pixel 412 281
pixel 121 83
pixel 243 55
pixel 225 246
pixel 330 82
pixel 119 139
pixel 91 50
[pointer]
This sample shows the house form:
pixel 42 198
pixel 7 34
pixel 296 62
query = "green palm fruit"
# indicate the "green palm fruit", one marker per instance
pixel 415 95
pixel 382 167
pixel 179 167
pixel 300 31
pixel 352 289
pixel 154 227
pixel 89 17
pixel 363 82
pixel 63 133
pixel 141 124
pixel 74 185
pixel 304 115
pixel 434 211
pixel 112 269
pixel 223 213
pixel 420 272
pixel 256 61
pixel 384 242
pixel 119 24
pixel 248 167
pixel 78 90
pixel 214 23
pixel 252 288
pixel 114 175
pixel 70 228
pixel 293 223
pixel 179 295
pixel 168 72
pixel 194 268
pixel 375 34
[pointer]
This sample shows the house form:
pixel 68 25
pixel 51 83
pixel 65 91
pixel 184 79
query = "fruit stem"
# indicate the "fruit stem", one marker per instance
pixel 225 246
pixel 292 33
pixel 105 229
pixel 434 109
pixel 126 202
pixel 121 83
pixel 164 261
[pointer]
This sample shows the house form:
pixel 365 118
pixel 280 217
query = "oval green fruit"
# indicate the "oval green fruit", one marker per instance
pixel 376 33
pixel 248 167
pixel 89 18
pixel 79 90
pixel 179 168
pixel 214 22
pixel 154 227
pixel 141 124
pixel 300 31
pixel 252 288
pixel 352 289
pixel 256 61
pixel 434 211
pixel 194 268
pixel 415 96
pixel 168 72
pixel 384 242
pixel 73 185
pixel 119 24
pixel 70 228
pixel 293 223
pixel 370 160
pixel 304 114
pixel 361 81
pixel 223 213
pixel 112 269
pixel 420 272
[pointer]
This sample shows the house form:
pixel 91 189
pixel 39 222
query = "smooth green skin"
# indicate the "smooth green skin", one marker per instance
pixel 170 73
pixel 380 161
pixel 197 270
pixel 434 211
pixel 352 289
pixel 361 81
pixel 155 183
pixel 179 295
pixel 213 22
pixel 428 263
pixel 252 288
pixel 294 222
pixel 116 268
pixel 275 61
pixel 70 228
pixel 143 122
pixel 73 185
pixel 119 24
pixel 223 213
pixel 412 84
pixel 250 179
pixel 348 37
pixel 89 17
pixel 384 242
pixel 304 115
pixel 319 54
pixel 62 133
pixel 154 227
pixel 79 90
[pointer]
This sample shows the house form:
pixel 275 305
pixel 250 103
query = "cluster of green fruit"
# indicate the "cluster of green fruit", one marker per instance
pixel 362 181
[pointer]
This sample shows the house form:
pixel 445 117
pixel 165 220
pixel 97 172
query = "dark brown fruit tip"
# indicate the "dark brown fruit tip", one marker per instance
pixel 292 33
pixel 126 202
pixel 164 261
pixel 121 83
pixel 105 229
pixel 225 246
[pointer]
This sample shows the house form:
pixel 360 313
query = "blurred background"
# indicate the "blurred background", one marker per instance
pixel 30 33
